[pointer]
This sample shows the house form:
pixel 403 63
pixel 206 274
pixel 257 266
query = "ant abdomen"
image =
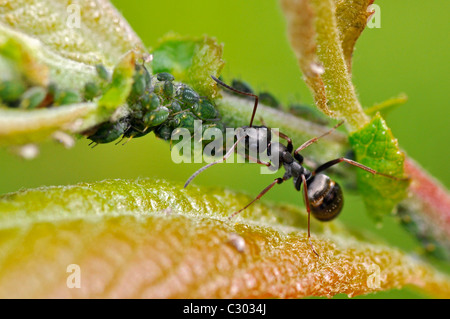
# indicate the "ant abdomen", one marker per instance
pixel 325 197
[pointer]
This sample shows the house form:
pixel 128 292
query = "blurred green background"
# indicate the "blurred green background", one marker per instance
pixel 409 53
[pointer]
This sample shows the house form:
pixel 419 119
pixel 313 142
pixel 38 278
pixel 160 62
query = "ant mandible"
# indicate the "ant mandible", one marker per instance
pixel 323 197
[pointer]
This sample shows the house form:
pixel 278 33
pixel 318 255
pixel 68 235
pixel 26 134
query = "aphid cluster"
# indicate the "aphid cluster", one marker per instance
pixel 18 94
pixel 158 104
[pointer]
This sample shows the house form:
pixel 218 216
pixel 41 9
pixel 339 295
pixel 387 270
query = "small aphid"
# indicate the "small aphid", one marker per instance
pixel 164 76
pixel 241 86
pixel 102 72
pixel 33 97
pixel 11 91
pixel 168 89
pixel 184 120
pixel 137 109
pixel 136 127
pixel 108 132
pixel 175 106
pixel 65 97
pixel 205 110
pixel 187 97
pixel 156 117
pixel 91 91
pixel 139 82
pixel 268 99
pixel 153 103
pixel 308 113
pixel 164 132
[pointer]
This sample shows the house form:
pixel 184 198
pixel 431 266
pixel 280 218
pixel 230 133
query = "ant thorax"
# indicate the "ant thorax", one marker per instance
pixel 255 144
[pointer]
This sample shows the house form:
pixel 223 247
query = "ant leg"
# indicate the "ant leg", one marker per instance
pixel 315 139
pixel 308 209
pixel 223 159
pixel 240 92
pixel 255 160
pixel 290 146
pixel 265 190
pixel 351 162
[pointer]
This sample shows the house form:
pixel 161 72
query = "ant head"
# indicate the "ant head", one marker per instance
pixel 325 197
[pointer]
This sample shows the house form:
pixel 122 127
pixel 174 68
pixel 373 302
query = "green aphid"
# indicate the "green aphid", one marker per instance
pixel 158 88
pixel 309 113
pixel 139 82
pixel 65 97
pixel 52 89
pixel 175 106
pixel 33 97
pixel 91 91
pixel 268 99
pixel 102 72
pixel 136 128
pixel 241 86
pixel 156 117
pixel 164 132
pixel 184 120
pixel 187 97
pixel 147 76
pixel 109 132
pixel 11 91
pixel 168 89
pixel 150 101
pixel 164 76
pixel 137 109
pixel 205 110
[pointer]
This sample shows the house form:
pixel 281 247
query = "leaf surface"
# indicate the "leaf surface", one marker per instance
pixel 153 239
pixel 191 61
pixel 375 147
pixel 60 42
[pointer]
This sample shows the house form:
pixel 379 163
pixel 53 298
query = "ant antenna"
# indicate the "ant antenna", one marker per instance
pixel 230 151
pixel 240 92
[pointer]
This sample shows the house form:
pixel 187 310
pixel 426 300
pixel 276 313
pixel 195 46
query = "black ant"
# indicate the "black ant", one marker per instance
pixel 323 197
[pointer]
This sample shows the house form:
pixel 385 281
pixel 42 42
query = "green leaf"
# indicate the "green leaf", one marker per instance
pixel 351 16
pixel 154 239
pixel 387 106
pixel 375 147
pixel 315 37
pixel 190 60
pixel 120 87
pixel 70 49
pixel 41 43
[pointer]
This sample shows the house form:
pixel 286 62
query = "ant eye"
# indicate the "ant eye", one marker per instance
pixel 325 197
